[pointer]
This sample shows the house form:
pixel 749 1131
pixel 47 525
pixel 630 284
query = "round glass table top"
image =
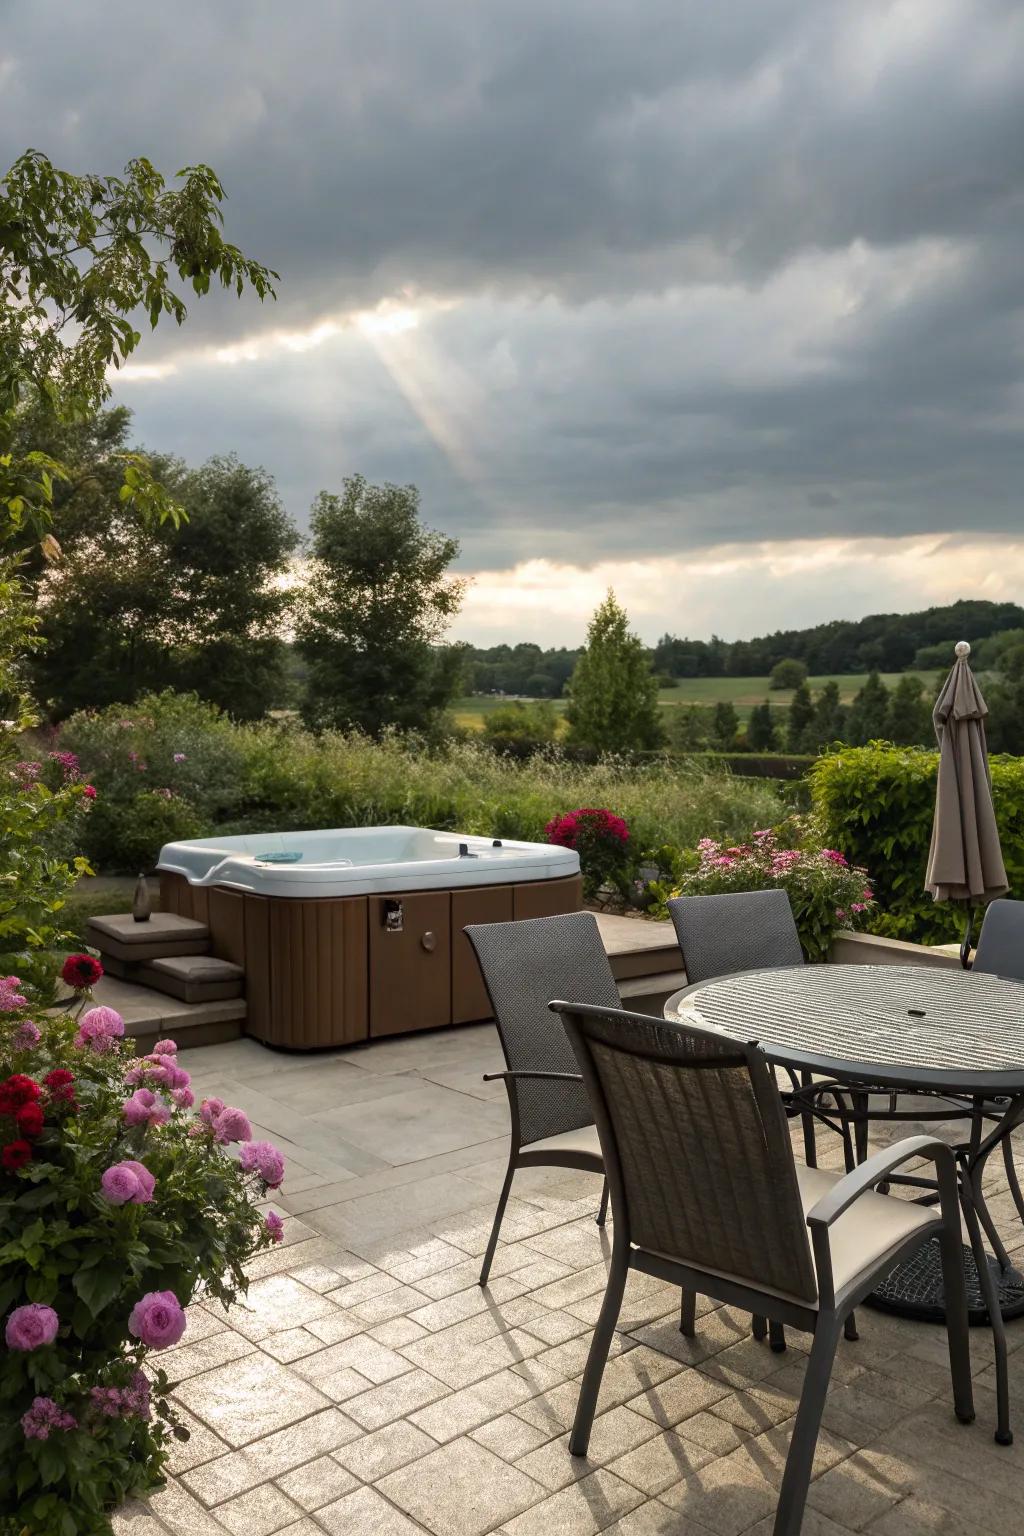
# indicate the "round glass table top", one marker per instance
pixel 893 1023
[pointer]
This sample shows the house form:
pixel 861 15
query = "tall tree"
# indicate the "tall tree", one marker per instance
pixel 788 673
pixel 725 723
pixel 801 713
pixel 613 693
pixel 374 612
pixel 828 722
pixel 910 714
pixel 868 719
pixel 197 605
pixel 761 733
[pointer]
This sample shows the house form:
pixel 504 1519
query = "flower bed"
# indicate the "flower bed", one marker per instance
pixel 825 891
pixel 118 1202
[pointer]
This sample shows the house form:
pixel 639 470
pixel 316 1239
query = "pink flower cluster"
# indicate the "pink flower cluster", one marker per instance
pixel 127 1183
pixel 68 764
pixel 274 1226
pixel 10 997
pixel 145 1108
pixel 154 1075
pixel 226 1123
pixel 26 1036
pixel 31 1327
pixel 99 1030
pixel 123 1402
pixel 44 1417
pixel 263 1157
pixel 158 1320
pixel 565 831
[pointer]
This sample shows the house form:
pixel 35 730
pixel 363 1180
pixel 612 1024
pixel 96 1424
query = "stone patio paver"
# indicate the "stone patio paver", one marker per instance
pixel 371 1386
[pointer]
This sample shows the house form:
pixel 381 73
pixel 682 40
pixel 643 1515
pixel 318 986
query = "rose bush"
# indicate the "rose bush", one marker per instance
pixel 602 841
pixel 825 891
pixel 117 1203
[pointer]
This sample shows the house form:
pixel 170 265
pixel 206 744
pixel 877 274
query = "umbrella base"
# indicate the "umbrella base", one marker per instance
pixel 914 1288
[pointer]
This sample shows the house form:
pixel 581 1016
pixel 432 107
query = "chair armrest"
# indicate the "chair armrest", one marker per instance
pixel 558 1077
pixel 867 1174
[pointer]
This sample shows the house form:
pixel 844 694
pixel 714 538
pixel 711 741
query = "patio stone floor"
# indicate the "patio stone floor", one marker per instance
pixel 369 1387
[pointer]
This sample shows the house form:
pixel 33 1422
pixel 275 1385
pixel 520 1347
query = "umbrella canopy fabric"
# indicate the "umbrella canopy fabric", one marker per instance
pixel 965 862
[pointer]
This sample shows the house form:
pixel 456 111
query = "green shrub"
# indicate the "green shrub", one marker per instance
pixel 267 776
pixel 875 803
pixel 521 725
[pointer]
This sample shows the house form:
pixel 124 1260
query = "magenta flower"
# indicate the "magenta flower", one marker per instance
pixel 10 997
pixel 45 1416
pixel 232 1125
pixel 835 856
pixel 128 1183
pixel 263 1157
pixel 26 1036
pixel 158 1320
pixel 184 1098
pixel 164 1048
pixel 31 1327
pixel 274 1225
pixel 179 757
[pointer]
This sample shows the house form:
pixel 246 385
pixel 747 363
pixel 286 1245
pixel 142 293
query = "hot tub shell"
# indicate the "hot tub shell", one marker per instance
pixel 362 937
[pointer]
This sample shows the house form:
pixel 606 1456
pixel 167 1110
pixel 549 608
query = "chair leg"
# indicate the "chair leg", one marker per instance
pixel 797 1476
pixel 1004 1434
pixel 688 1314
pixel 492 1241
pixel 850 1328
pixel 776 1338
pixel 957 1331
pixel 600 1344
pixel 602 1210
pixel 759 1326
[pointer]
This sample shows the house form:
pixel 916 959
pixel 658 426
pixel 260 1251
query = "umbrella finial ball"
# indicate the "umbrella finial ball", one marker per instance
pixel 962 648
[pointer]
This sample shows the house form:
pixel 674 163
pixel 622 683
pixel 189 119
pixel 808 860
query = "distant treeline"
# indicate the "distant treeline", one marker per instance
pixel 886 642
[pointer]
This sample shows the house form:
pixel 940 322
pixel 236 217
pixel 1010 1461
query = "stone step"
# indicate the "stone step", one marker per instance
pixel 193 978
pixel 162 934
pixel 150 1016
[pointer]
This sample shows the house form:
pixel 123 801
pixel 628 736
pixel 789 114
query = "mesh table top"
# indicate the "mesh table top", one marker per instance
pixel 905 1019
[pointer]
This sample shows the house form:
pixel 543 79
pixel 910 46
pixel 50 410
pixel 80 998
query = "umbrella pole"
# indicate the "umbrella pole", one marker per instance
pixel 965 946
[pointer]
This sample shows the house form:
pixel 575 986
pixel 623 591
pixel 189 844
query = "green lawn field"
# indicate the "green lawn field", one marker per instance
pixel 742 692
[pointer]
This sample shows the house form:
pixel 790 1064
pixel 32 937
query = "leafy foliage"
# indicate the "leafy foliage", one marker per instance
pixel 516 724
pixel 788 673
pixel 66 1246
pixel 876 803
pixel 374 611
pixel 613 694
pixel 601 839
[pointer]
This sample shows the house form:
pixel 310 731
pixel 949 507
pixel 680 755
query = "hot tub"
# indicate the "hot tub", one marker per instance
pixel 356 933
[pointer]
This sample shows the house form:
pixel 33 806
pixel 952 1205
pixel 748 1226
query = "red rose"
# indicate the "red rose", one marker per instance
pixel 30 1120
pixel 15 1155
pixel 80 971
pixel 61 1085
pixel 16 1091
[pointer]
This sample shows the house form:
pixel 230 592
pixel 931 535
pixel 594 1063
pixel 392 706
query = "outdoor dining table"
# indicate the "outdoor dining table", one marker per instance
pixel 846 1034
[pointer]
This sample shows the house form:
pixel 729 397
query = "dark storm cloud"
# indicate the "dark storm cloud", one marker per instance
pixel 746 270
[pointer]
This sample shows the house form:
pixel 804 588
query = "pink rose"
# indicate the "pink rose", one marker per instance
pixel 183 1097
pixel 99 1028
pixel 128 1183
pixel 232 1125
pixel 31 1326
pixel 209 1109
pixel 164 1048
pixel 10 997
pixel 262 1157
pixel 158 1320
pixel 144 1108
pixel 274 1225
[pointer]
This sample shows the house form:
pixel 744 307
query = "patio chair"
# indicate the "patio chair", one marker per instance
pixel 1000 949
pixel 525 964
pixel 706 1194
pixel 735 931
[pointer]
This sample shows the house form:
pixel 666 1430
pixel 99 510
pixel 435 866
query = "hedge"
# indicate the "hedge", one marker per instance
pixel 875 805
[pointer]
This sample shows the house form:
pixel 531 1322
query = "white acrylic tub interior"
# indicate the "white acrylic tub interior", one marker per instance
pixel 354 861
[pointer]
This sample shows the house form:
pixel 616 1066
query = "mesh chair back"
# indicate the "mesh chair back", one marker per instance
pixel 736 931
pixel 1000 948
pixel 525 964
pixel 695 1146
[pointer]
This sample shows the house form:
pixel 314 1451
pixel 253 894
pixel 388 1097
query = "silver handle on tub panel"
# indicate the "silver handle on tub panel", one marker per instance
pixel 429 941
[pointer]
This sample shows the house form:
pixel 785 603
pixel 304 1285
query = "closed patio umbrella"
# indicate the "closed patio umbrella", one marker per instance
pixel 965 862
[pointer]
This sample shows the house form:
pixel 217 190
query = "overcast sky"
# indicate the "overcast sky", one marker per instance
pixel 722 304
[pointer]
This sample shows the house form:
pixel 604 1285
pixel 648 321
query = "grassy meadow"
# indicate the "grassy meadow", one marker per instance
pixel 742 692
